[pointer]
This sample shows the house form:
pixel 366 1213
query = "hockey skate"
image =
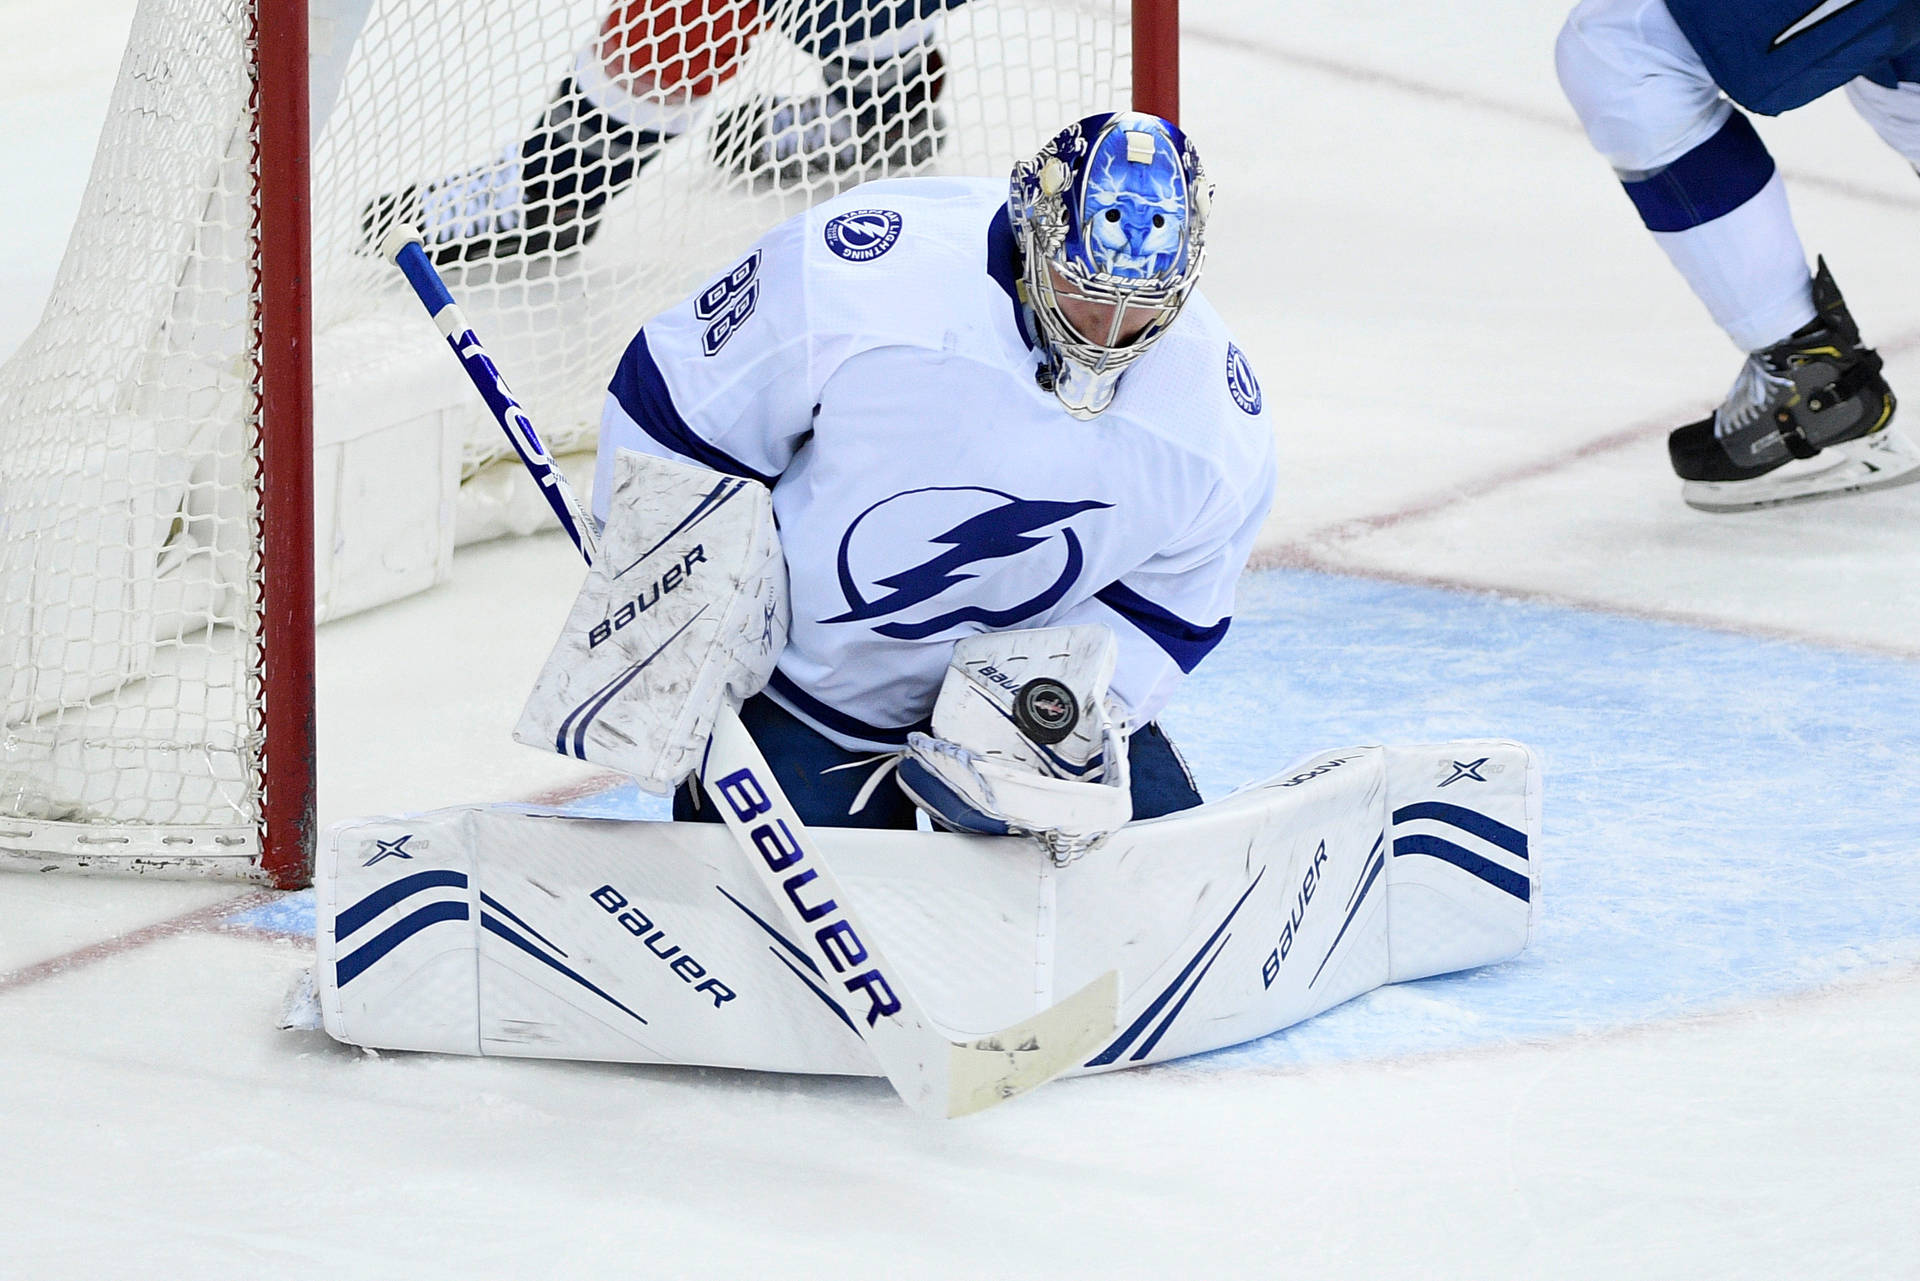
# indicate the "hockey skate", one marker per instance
pixel 1809 417
pixel 546 196
pixel 874 119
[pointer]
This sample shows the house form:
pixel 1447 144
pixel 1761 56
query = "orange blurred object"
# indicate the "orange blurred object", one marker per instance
pixel 677 48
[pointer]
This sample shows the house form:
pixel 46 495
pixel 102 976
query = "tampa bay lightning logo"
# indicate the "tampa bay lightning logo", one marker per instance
pixel 996 561
pixel 863 235
pixel 1241 383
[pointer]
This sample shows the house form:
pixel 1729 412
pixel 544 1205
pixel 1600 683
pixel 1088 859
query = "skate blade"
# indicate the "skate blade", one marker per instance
pixel 1880 461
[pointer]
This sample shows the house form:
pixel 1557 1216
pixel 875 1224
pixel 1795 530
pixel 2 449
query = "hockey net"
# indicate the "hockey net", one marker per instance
pixel 576 164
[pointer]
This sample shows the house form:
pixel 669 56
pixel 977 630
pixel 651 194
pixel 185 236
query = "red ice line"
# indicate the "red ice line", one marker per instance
pixel 210 918
pixel 200 918
pixel 1318 549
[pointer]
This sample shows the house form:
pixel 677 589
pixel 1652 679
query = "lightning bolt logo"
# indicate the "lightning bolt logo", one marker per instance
pixel 1002 532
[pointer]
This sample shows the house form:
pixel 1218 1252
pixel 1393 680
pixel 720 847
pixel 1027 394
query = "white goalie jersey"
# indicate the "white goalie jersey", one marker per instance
pixel 870 360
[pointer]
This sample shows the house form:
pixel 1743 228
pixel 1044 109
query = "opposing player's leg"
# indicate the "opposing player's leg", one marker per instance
pixel 640 83
pixel 879 111
pixel 1707 189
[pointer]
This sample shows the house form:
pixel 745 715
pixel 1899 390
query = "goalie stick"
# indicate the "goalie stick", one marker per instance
pixel 934 1071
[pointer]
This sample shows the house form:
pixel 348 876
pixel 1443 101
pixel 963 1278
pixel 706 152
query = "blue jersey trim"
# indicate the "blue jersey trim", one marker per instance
pixel 1186 643
pixel 1709 182
pixel 796 700
pixel 824 27
pixel 642 392
pixel 1003 259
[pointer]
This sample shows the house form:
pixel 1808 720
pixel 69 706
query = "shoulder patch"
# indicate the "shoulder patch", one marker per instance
pixel 1241 383
pixel 864 234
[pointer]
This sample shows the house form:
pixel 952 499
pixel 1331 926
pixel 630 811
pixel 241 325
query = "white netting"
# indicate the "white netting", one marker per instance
pixel 557 317
pixel 127 505
pixel 575 164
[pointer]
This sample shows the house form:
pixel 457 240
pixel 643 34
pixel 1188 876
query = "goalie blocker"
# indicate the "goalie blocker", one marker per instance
pixel 684 609
pixel 508 930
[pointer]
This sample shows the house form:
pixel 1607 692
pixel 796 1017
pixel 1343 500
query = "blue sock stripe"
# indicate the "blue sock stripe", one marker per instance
pixel 1709 182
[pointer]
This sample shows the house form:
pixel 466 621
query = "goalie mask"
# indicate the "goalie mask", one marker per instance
pixel 1111 219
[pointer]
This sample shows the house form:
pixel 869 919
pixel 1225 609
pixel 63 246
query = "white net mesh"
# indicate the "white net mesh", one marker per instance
pixel 127 498
pixel 497 179
pixel 575 165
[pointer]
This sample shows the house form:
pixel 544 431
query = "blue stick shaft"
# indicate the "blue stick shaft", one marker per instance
pixel 407 253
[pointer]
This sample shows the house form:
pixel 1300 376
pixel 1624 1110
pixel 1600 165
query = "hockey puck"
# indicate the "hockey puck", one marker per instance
pixel 1045 710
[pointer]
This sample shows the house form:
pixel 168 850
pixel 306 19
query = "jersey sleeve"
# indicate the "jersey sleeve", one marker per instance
pixel 1171 611
pixel 728 378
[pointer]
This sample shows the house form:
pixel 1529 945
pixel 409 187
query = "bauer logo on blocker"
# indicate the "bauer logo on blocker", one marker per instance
pixel 865 234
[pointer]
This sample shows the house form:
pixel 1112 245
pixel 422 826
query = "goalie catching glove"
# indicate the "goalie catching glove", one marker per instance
pixel 686 606
pixel 1026 741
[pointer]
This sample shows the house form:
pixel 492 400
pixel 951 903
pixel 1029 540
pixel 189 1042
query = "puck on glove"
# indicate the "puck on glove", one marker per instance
pixel 1045 710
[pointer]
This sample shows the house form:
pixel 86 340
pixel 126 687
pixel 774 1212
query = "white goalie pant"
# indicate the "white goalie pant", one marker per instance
pixel 504 930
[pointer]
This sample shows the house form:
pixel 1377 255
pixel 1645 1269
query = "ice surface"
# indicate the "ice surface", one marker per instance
pixel 1708 1065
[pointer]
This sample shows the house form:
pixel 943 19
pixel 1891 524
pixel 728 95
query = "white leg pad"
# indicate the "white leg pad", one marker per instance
pixel 505 930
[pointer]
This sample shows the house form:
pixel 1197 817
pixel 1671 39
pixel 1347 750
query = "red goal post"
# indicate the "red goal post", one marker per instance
pixel 187 440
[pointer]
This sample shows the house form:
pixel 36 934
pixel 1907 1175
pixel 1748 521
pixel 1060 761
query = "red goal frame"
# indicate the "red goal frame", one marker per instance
pixel 283 373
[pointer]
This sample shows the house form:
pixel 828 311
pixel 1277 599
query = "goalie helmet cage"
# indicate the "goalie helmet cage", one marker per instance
pixel 158 428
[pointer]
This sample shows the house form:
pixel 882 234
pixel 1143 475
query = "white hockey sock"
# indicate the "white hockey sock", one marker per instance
pixel 1749 268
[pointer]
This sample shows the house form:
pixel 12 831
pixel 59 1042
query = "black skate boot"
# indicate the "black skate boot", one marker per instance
pixel 874 119
pixel 548 198
pixel 1817 393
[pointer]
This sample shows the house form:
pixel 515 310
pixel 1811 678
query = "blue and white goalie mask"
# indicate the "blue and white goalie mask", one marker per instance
pixel 1111 219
